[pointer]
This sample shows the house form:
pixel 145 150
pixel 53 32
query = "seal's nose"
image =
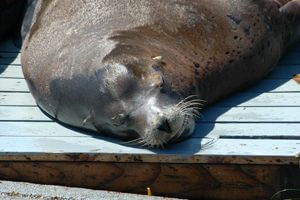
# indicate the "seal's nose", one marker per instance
pixel 164 125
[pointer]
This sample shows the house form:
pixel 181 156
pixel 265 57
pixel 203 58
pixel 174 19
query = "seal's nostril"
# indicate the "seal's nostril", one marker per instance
pixel 164 125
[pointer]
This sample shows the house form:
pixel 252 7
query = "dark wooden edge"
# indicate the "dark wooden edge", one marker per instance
pixel 172 180
pixel 150 158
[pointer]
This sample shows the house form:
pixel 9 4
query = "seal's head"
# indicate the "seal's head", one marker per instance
pixel 138 109
pixel 164 123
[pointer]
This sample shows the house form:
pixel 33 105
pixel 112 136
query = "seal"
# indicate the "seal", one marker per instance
pixel 142 71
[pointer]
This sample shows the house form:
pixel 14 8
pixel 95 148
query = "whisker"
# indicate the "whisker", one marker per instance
pixel 192 110
pixel 196 100
pixel 197 108
pixel 187 104
pixel 193 115
pixel 131 141
pixel 183 100
pixel 145 144
pixel 141 141
pixel 191 102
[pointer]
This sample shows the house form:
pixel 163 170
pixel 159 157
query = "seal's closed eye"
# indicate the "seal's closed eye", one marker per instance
pixel 119 119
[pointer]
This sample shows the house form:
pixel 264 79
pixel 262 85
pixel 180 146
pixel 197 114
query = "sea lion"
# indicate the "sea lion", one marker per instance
pixel 140 70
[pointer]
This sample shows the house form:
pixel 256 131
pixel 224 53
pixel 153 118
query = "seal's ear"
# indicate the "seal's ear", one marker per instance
pixel 158 58
pixel 156 79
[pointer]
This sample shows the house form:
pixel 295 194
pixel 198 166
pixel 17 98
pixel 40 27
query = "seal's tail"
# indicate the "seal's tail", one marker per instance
pixel 291 11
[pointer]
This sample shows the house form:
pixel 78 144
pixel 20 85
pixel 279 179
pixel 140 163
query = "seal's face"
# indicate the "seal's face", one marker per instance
pixel 142 113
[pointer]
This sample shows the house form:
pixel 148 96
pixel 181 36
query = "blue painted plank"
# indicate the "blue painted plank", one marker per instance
pixel 277 85
pixel 251 147
pixel 251 114
pixel 261 99
pixel 13 85
pixel 16 99
pixel 268 130
pixel 38 129
pixel 195 146
pixel 13 113
pixel 11 71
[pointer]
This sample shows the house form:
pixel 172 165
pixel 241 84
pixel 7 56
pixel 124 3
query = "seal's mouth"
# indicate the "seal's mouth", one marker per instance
pixel 173 124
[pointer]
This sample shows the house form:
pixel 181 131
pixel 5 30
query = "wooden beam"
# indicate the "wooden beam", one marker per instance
pixel 173 180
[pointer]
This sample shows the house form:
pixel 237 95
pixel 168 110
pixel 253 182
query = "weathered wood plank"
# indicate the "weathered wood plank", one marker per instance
pixel 38 129
pixel 53 129
pixel 248 130
pixel 11 71
pixel 13 85
pixel 251 114
pixel 260 99
pixel 17 99
pixel 277 85
pixel 13 113
pixel 193 150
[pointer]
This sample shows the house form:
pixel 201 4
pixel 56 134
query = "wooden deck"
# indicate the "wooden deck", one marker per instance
pixel 246 146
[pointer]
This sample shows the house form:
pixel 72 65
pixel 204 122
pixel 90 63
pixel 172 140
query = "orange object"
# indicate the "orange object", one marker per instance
pixel 149 191
pixel 297 78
